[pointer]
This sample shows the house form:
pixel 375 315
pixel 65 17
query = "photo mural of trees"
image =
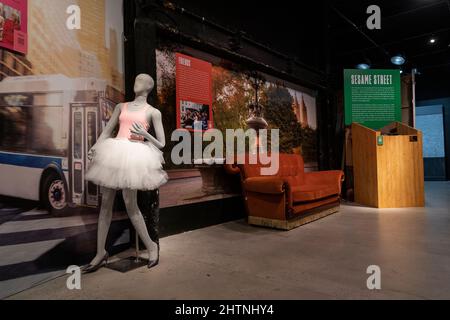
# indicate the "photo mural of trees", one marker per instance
pixel 291 111
pixel 279 114
pixel 232 93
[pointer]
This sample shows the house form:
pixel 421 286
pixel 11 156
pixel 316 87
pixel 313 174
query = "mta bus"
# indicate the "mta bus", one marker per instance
pixel 47 126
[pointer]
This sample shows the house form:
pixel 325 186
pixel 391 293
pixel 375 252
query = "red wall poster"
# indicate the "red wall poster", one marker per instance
pixel 194 93
pixel 13 25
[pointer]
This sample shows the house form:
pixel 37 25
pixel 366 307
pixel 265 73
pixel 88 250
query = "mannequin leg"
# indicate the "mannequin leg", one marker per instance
pixel 148 202
pixel 130 198
pixel 153 220
pixel 104 222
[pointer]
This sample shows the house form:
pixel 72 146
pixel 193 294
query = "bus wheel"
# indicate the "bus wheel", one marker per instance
pixel 54 194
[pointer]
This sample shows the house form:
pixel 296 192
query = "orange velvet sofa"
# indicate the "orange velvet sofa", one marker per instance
pixel 290 198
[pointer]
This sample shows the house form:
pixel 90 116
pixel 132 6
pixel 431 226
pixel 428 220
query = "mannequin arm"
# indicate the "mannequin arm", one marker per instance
pixel 107 132
pixel 160 140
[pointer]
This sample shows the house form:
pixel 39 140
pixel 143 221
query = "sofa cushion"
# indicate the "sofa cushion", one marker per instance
pixel 310 192
pixel 289 166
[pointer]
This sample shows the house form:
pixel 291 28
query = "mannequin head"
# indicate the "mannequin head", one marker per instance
pixel 143 85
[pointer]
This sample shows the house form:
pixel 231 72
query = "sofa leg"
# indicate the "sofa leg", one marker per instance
pixel 293 223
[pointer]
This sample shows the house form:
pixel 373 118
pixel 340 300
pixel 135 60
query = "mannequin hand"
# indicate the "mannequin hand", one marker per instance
pixel 139 130
pixel 91 154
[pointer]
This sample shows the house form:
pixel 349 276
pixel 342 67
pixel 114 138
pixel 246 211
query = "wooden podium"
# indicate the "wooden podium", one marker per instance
pixel 388 166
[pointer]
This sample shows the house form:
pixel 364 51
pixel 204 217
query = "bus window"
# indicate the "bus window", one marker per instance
pixel 92 189
pixel 78 136
pixel 78 152
pixel 13 128
pixel 46 130
pixel 91 129
pixel 35 130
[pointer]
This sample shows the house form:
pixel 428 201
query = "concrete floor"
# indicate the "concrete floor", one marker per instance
pixel 29 237
pixel 326 259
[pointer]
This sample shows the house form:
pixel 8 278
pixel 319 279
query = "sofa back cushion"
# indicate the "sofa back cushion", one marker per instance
pixel 291 166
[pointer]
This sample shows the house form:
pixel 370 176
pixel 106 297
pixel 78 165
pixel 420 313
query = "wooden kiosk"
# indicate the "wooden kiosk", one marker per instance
pixel 388 166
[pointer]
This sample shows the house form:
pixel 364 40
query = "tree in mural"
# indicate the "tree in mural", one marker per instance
pixel 279 114
pixel 167 97
pixel 232 94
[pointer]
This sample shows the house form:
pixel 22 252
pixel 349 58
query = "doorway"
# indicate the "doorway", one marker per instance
pixel 430 120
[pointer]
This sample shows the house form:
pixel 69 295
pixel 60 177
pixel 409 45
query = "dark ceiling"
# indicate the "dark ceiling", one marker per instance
pixel 295 28
pixel 332 35
pixel 407 26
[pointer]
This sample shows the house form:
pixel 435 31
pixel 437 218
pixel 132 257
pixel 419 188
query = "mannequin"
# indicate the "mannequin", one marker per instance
pixel 131 161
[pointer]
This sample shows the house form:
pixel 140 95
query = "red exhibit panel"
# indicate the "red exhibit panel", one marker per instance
pixel 194 93
pixel 13 25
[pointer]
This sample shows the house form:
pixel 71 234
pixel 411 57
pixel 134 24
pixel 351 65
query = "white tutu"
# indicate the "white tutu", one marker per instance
pixel 123 164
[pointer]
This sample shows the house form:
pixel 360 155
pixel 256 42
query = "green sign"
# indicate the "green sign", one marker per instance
pixel 372 97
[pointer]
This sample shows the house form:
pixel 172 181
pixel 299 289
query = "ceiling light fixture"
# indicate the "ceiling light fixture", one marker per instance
pixel 432 40
pixel 363 66
pixel 398 60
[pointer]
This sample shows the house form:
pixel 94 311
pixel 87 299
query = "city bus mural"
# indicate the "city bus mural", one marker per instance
pixel 47 126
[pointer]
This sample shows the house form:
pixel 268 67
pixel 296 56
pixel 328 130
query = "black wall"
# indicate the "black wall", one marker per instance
pixel 288 41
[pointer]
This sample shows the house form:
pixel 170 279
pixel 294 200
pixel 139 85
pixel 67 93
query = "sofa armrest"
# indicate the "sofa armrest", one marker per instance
pixel 325 178
pixel 268 185
pixel 232 169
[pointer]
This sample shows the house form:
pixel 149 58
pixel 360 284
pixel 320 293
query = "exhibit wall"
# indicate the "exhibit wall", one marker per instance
pixel 288 107
pixel 54 101
pixel 57 97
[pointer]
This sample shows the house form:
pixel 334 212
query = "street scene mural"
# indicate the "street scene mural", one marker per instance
pixel 54 101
